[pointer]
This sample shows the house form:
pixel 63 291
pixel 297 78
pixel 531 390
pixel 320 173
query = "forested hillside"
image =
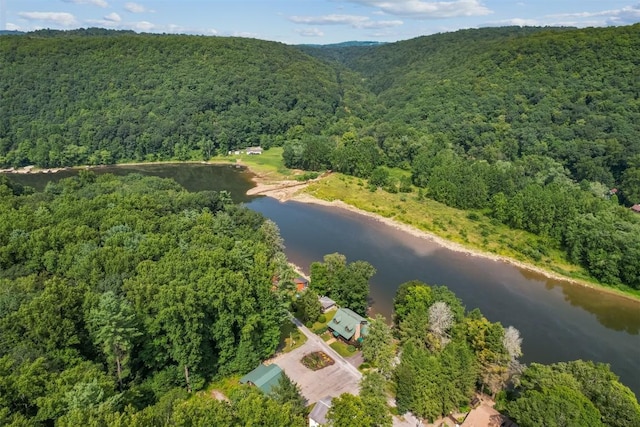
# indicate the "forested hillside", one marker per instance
pixel 536 128
pixel 99 97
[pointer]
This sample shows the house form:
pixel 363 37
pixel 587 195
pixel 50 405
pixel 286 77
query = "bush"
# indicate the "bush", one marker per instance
pixel 351 349
pixel 321 330
pixel 473 216
pixel 307 176
pixel 322 318
pixel 309 324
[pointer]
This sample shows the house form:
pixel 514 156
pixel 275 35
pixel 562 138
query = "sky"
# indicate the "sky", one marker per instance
pixel 312 21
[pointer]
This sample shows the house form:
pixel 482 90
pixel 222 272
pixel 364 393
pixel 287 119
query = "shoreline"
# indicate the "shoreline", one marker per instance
pixel 285 193
pixel 285 190
pixel 453 246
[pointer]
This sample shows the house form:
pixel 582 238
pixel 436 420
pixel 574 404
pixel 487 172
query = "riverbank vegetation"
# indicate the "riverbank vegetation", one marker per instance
pixel 438 356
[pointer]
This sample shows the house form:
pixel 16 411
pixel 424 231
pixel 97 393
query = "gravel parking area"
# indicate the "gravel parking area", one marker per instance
pixel 333 380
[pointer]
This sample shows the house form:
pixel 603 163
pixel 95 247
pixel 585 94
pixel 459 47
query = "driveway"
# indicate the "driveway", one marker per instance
pixel 341 377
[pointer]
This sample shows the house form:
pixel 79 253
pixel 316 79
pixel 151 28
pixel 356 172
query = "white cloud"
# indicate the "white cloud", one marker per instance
pixel 381 24
pixel 113 17
pixel 13 27
pixel 134 8
pixel 329 19
pixel 101 3
pixel 60 18
pixel 625 15
pixel 143 26
pixel 309 32
pixel 354 21
pixel 520 22
pixel 245 34
pixel 420 9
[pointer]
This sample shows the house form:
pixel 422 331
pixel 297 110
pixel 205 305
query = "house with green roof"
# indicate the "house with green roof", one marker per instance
pixel 348 325
pixel 265 377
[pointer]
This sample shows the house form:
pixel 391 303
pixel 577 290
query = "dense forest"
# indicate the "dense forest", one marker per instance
pixel 121 298
pixel 118 294
pixel 536 128
pixel 98 97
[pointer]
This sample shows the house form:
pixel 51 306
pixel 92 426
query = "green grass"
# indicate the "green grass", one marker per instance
pixel 475 231
pixel 328 316
pixel 290 337
pixel 342 349
pixel 226 385
pixel 268 163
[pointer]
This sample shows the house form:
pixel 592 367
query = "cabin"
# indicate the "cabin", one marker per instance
pixel 254 150
pixel 636 208
pixel 348 326
pixel 265 377
pixel 301 284
pixel 326 303
pixel 318 415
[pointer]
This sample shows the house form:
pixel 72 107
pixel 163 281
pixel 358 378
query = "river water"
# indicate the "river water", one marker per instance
pixel 558 321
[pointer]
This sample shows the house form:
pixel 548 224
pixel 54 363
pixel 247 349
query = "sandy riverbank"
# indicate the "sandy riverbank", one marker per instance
pixel 31 169
pixel 306 198
pixel 284 190
pixel 293 193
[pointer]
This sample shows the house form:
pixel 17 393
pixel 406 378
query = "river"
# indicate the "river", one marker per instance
pixel 558 320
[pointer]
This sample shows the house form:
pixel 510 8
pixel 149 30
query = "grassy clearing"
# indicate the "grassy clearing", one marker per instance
pixel 268 163
pixel 290 337
pixel 343 349
pixel 225 385
pixel 472 229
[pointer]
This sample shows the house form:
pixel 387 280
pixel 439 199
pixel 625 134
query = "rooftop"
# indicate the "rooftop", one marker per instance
pixel 264 377
pixel 319 412
pixel 344 322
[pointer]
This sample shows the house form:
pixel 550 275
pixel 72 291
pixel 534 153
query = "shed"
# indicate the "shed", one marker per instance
pixel 265 377
pixel 348 325
pixel 326 303
pixel 636 208
pixel 301 283
pixel 254 150
pixel 318 415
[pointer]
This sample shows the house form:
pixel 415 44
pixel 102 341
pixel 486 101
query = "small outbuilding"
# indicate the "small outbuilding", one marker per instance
pixel 301 283
pixel 254 150
pixel 636 208
pixel 348 325
pixel 326 303
pixel 265 377
pixel 318 415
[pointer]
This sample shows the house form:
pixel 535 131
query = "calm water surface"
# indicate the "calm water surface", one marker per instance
pixel 558 321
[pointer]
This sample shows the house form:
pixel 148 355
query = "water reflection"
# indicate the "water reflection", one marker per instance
pixel 559 321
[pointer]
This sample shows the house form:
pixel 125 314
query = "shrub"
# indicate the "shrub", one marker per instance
pixel 473 216
pixel 322 318
pixel 351 349
pixel 321 330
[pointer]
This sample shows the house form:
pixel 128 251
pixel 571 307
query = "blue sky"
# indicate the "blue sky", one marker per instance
pixel 312 21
